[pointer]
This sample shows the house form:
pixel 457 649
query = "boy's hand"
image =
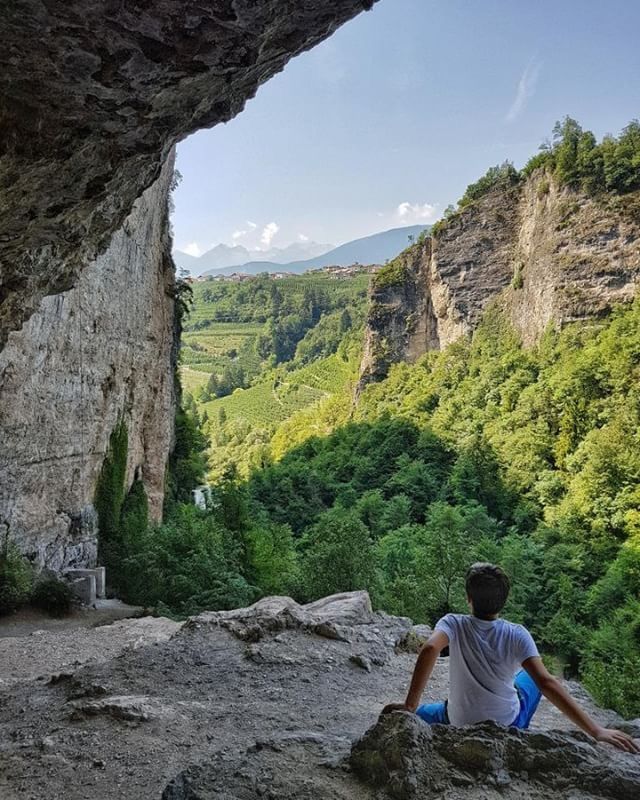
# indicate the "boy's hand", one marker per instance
pixel 618 739
pixel 394 707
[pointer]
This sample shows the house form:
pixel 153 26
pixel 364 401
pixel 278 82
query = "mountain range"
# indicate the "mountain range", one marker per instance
pixel 299 256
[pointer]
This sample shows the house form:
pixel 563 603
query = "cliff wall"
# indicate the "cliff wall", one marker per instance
pixel 85 358
pixel 547 255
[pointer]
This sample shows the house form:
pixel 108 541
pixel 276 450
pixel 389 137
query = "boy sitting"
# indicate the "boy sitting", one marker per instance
pixel 485 653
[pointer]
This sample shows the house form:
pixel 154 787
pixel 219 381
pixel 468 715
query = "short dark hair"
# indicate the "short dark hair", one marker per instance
pixel 487 587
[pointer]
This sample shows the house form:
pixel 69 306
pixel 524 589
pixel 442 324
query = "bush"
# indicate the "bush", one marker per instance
pixel 337 555
pixel 188 564
pixel 502 175
pixel 273 559
pixel 110 494
pixel 53 596
pixel 15 577
pixel 392 274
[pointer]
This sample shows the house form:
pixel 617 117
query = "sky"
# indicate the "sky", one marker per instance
pixel 387 122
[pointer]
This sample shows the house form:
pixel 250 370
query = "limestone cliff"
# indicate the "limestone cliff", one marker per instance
pixel 545 254
pixel 102 351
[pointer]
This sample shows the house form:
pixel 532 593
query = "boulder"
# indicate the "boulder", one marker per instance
pixel 410 759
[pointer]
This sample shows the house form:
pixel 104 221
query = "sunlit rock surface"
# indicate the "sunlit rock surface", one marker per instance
pixel 544 255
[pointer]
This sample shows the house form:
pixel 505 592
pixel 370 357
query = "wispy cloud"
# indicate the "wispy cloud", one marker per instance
pixel 268 232
pixel 303 237
pixel 525 90
pixel 416 212
pixel 192 249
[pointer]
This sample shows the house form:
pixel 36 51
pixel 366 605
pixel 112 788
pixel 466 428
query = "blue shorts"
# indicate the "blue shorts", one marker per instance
pixel 528 694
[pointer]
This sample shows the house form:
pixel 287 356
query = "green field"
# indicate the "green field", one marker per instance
pixel 276 399
pixel 192 379
pixel 256 352
pixel 213 348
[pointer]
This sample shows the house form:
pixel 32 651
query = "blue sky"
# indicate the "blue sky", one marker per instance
pixel 387 121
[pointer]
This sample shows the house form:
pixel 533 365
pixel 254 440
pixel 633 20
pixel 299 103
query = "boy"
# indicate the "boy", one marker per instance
pixel 484 654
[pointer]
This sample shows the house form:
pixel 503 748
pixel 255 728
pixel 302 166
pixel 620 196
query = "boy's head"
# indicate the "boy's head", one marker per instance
pixel 487 587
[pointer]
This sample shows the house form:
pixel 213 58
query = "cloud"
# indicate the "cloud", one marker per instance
pixel 416 212
pixel 252 225
pixel 238 235
pixel 302 237
pixel 268 232
pixel 525 91
pixel 192 249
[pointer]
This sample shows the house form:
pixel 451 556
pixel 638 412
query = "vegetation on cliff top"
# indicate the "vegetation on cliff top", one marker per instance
pixel 574 158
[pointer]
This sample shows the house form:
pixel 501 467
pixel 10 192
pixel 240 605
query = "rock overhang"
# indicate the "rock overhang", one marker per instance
pixel 93 96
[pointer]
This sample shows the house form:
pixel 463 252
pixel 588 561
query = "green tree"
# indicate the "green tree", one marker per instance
pixel 336 555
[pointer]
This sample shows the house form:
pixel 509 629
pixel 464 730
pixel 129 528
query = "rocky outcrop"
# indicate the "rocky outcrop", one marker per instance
pixel 546 255
pixel 93 96
pixel 101 352
pixel 268 702
pixel 410 759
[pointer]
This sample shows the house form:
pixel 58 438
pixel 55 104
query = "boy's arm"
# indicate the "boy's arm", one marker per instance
pixel 421 673
pixel 555 692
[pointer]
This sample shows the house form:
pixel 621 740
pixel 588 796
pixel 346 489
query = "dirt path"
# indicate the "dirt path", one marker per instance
pixel 29 620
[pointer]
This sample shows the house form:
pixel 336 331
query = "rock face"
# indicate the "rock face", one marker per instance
pixel 101 352
pixel 93 96
pixel 268 702
pixel 413 760
pixel 544 254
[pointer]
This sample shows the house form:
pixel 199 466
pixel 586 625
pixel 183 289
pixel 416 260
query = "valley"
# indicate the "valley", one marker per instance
pixel 257 353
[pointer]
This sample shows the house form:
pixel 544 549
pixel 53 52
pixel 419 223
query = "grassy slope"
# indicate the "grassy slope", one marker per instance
pixel 276 399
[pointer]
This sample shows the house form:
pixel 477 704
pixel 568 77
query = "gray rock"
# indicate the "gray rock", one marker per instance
pixel 361 661
pixel 574 258
pixel 410 759
pixel 192 716
pixel 85 358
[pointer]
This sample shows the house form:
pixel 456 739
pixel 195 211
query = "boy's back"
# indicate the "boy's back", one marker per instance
pixel 485 652
pixel 484 656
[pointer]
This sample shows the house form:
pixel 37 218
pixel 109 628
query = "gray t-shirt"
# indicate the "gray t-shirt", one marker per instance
pixel 484 656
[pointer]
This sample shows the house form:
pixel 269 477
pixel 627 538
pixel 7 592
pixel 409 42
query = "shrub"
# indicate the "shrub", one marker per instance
pixel 337 555
pixel 188 564
pixel 392 274
pixel 503 175
pixel 15 577
pixel 543 188
pixel 517 282
pixel 53 596
pixel 110 494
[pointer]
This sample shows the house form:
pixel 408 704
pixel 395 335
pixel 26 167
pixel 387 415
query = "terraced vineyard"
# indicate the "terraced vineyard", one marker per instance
pixel 276 399
pixel 213 348
pixel 257 352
